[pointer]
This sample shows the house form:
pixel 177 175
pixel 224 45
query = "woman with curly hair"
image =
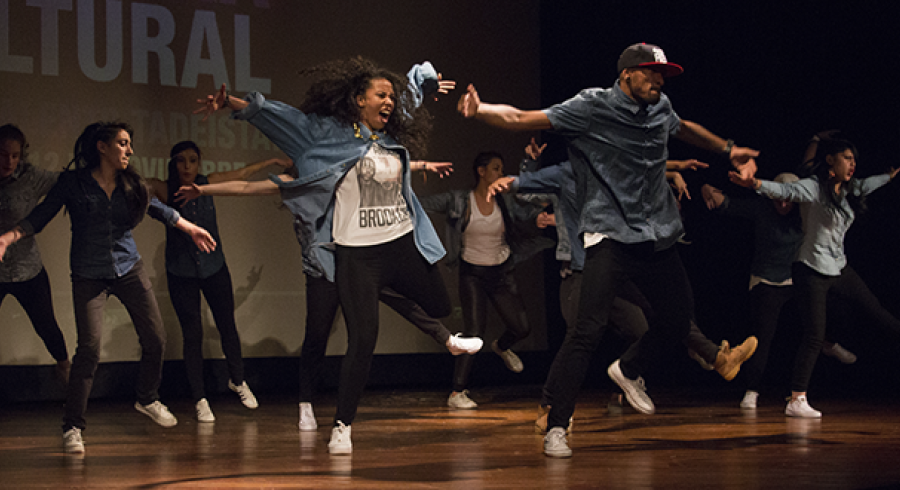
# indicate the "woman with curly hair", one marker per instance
pixel 355 112
pixel 834 199
pixel 105 199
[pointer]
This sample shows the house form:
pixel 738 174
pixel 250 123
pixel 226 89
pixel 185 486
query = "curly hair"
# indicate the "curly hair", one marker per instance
pixel 87 157
pixel 820 168
pixel 336 84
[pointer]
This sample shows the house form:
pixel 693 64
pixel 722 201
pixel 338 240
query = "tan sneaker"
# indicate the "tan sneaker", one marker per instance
pixel 729 360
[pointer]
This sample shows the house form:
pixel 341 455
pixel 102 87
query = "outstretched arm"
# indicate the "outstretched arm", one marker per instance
pixel 501 115
pixel 441 168
pixel 246 172
pixel 681 165
pixel 219 100
pixel 200 236
pixel 741 157
pixel 233 188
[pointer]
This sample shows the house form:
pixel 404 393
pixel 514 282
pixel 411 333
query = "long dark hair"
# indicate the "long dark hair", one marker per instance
pixel 483 159
pixel 820 168
pixel 87 157
pixel 13 133
pixel 336 84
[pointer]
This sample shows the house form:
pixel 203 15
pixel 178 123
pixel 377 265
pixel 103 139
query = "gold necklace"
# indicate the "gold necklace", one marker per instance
pixel 357 132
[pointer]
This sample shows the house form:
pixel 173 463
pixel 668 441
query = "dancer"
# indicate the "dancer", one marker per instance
pixel 22 273
pixel 355 111
pixel 190 272
pixel 834 199
pixel 486 239
pixel 629 220
pixel 777 233
pixel 629 310
pixel 105 199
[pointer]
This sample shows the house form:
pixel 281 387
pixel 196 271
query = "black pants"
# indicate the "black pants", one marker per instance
pixel 89 297
pixel 185 295
pixel 478 286
pixel 37 301
pixel 812 296
pixel 660 276
pixel 361 274
pixel 321 308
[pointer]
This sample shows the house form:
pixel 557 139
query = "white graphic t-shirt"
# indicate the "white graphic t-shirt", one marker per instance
pixel 369 207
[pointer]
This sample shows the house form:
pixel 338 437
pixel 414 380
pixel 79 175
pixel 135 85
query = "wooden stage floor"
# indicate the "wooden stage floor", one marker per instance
pixel 409 439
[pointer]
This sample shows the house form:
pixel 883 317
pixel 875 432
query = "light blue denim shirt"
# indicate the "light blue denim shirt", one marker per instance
pixel 618 152
pixel 824 226
pixel 324 150
pixel 559 179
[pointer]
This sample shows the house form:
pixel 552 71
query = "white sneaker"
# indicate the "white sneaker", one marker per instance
pixel 749 400
pixel 158 412
pixel 461 400
pixel 556 445
pixel 244 392
pixel 204 413
pixel 72 442
pixel 838 352
pixel 340 440
pixel 463 345
pixel 512 361
pixel 634 389
pixel 800 408
pixel 307 418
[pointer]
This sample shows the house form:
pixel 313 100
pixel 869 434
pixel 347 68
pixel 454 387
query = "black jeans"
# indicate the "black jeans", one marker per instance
pixel 37 301
pixel 185 295
pixel 89 296
pixel 812 297
pixel 321 308
pixel 361 274
pixel 479 285
pixel 660 276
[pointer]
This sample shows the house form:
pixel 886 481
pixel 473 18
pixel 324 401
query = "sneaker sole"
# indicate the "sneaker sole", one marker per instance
pixel 558 454
pixel 615 375
pixel 340 450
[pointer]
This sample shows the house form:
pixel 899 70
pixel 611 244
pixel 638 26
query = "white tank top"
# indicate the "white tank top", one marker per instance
pixel 484 241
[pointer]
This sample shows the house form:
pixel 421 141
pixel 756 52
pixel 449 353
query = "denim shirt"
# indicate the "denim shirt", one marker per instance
pixel 824 226
pixel 518 218
pixel 102 245
pixel 776 237
pixel 324 150
pixel 559 179
pixel 19 194
pixel 618 153
pixel 183 258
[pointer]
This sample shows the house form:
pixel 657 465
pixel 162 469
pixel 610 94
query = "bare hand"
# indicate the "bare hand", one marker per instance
pixel 742 180
pixel 545 219
pixel 533 150
pixel 204 241
pixel 441 168
pixel 711 196
pixel 893 172
pixel 681 165
pixel 680 186
pixel 212 103
pixel 444 86
pixel 469 102
pixel 283 162
pixel 187 193
pixel 748 169
pixel 741 155
pixel 503 184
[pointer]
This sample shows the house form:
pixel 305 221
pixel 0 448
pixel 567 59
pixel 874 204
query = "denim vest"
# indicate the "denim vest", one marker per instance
pixel 183 258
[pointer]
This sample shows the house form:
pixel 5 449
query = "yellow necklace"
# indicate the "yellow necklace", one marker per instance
pixel 358 133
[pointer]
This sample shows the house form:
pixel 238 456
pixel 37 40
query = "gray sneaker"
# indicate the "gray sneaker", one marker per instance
pixel 556 445
pixel 512 361
pixel 72 442
pixel 634 389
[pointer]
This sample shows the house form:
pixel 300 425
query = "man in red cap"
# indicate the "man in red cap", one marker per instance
pixel 629 221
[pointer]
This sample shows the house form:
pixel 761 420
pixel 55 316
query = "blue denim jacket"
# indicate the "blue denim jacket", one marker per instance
pixel 102 245
pixel 183 258
pixel 824 226
pixel 618 152
pixel 559 179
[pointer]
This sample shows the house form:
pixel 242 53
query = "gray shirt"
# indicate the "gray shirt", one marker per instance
pixel 19 194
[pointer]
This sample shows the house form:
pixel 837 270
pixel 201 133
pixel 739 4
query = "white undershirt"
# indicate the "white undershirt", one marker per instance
pixel 369 206
pixel 484 241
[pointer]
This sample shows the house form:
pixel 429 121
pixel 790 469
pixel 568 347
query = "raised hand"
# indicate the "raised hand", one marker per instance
pixel 187 193
pixel 533 150
pixel 212 103
pixel 444 86
pixel 503 184
pixel 469 102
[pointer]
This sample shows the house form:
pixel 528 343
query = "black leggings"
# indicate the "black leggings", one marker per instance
pixel 812 296
pixel 35 297
pixel 361 274
pixel 321 308
pixel 185 295
pixel 479 285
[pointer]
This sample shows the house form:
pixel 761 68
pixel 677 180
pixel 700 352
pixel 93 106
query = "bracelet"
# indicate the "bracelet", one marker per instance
pixel 728 146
